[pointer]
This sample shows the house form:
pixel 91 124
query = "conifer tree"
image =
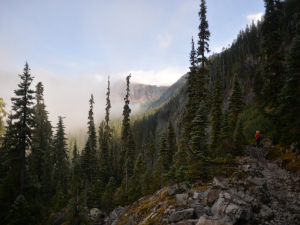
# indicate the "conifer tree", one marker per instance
pixel 181 157
pixel 198 142
pixel 271 41
pixel 86 167
pixel 157 180
pixel 3 113
pixel 75 153
pixel 135 182
pixel 42 134
pixel 108 202
pixel 239 140
pixel 171 142
pixel 290 97
pixel 216 111
pixel 125 125
pixel 236 103
pixel 147 181
pixel 151 151
pixel 23 124
pixel 203 46
pixel 225 135
pixel 192 100
pixel 60 155
pixel 92 134
pixel 163 153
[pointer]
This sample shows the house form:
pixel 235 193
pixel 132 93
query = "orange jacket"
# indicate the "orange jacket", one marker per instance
pixel 256 135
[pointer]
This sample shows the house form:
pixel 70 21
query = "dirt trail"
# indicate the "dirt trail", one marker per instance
pixel 283 186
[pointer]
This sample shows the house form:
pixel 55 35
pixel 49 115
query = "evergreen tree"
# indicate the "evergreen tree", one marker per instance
pixel 273 76
pixel 125 125
pixel 147 181
pixel 92 134
pixel 60 155
pixel 42 135
pixel 23 124
pixel 171 142
pixel 163 153
pixel 86 167
pixel 181 157
pixel 108 202
pixel 75 153
pixel 203 46
pixel 273 71
pixel 216 111
pixel 157 180
pixel 236 102
pixel 151 151
pixel 3 113
pixel 239 140
pixel 198 142
pixel 225 136
pixel 135 182
pixel 290 97
pixel 192 99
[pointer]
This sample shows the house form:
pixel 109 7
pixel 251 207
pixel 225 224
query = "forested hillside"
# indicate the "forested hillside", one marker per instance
pixel 195 131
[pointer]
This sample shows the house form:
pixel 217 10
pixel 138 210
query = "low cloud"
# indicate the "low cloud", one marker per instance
pixel 69 97
pixel 254 17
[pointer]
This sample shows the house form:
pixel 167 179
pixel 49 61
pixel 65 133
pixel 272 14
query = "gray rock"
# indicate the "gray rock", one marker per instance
pixel 132 222
pixel 256 181
pixel 184 214
pixel 207 211
pixel 116 212
pixel 96 213
pixel 193 203
pixel 60 218
pixel 218 185
pixel 181 199
pixel 210 221
pixel 185 187
pixel 197 195
pixel 174 190
pixel 265 212
pixel 199 210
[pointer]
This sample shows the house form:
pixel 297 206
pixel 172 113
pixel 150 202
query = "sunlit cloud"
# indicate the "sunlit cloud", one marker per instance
pixel 254 17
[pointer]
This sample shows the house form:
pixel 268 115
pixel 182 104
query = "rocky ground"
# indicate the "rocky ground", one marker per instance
pixel 259 192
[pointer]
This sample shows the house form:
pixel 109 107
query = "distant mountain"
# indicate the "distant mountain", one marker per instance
pixel 170 92
pixel 139 93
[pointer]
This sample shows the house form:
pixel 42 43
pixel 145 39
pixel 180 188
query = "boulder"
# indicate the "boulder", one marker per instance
pixel 181 199
pixel 174 190
pixel 96 213
pixel 209 221
pixel 265 212
pixel 60 218
pixel 218 185
pixel 116 213
pixel 212 196
pixel 199 210
pixel 193 203
pixel 182 215
pixel 197 195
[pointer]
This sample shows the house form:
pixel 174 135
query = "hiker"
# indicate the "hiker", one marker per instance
pixel 258 138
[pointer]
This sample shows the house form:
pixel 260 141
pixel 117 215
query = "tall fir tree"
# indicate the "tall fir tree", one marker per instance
pixel 75 153
pixel 92 134
pixel 225 136
pixel 198 142
pixel 108 202
pixel 125 125
pixel 60 156
pixel 3 114
pixel 289 108
pixel 192 100
pixel 216 111
pixel 171 142
pixel 23 123
pixel 42 135
pixel 236 103
pixel 203 46
pixel 151 151
pixel 273 74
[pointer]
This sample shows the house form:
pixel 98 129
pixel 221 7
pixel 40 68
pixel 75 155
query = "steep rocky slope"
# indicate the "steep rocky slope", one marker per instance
pixel 259 192
pixel 139 93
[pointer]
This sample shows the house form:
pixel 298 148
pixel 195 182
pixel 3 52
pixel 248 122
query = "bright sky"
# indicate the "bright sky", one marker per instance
pixel 72 43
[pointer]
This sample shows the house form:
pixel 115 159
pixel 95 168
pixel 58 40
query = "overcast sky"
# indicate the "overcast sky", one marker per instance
pixel 72 46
